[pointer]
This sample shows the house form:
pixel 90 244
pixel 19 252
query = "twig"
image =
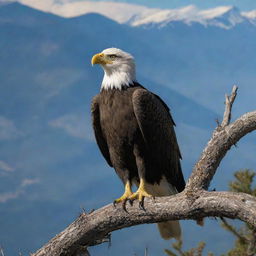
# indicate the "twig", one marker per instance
pixel 229 102
pixel 233 230
pixel 252 244
pixel 2 251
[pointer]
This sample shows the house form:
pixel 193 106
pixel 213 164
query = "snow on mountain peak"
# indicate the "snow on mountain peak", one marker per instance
pixel 161 16
pixel 73 8
pixel 250 14
pixel 217 11
pixel 222 16
pixel 137 15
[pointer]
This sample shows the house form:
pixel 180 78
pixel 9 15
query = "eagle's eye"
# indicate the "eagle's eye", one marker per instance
pixel 112 56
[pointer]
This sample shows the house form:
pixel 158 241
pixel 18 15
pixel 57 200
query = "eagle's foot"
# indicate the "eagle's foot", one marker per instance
pixel 140 194
pixel 123 198
pixel 126 196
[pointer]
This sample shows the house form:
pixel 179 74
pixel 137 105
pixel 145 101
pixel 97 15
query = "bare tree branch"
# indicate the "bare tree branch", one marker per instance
pixel 252 244
pixel 193 203
pixel 229 102
pixel 222 140
pixel 96 225
pixel 1 251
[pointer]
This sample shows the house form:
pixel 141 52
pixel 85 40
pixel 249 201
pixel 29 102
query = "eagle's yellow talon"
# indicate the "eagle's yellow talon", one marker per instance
pixel 141 192
pixel 126 195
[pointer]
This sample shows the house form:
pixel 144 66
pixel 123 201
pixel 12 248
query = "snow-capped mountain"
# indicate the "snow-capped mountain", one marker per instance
pixel 66 8
pixel 223 16
pixel 251 15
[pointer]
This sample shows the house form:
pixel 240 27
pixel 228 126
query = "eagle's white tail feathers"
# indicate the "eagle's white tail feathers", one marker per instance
pixel 168 229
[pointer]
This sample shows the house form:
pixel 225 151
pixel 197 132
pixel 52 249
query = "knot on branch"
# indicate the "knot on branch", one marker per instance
pixel 192 194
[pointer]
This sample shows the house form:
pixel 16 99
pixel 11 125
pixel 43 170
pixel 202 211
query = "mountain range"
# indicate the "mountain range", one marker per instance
pixel 50 166
pixel 137 15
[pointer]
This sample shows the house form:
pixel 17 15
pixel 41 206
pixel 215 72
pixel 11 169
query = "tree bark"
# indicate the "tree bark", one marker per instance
pixel 222 140
pixel 193 203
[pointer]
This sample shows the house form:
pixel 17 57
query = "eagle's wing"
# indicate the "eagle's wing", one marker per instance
pixel 97 130
pixel 157 128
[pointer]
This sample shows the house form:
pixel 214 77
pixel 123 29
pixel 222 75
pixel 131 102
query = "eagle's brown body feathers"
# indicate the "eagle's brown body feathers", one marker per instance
pixel 134 131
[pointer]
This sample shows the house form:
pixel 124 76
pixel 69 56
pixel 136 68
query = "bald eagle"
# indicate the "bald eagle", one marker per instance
pixel 135 133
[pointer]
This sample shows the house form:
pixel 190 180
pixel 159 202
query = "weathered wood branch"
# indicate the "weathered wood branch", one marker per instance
pixel 222 140
pixel 193 203
pixel 229 102
pixel 94 226
pixel 252 244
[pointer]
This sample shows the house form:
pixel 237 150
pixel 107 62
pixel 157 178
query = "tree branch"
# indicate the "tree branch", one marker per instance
pixel 87 228
pixel 252 244
pixel 222 140
pixel 1 251
pixel 193 203
pixel 229 102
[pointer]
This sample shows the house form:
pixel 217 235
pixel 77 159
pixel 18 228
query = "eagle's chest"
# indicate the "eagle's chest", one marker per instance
pixel 118 122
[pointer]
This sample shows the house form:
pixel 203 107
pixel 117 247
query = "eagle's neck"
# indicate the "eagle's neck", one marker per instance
pixel 124 76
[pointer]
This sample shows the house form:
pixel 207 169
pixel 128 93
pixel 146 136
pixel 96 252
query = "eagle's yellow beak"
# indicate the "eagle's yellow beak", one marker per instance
pixel 100 58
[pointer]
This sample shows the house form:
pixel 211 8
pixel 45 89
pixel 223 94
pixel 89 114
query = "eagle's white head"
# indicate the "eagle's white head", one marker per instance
pixel 119 68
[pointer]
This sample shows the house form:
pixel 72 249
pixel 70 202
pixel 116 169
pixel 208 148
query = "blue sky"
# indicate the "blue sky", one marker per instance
pixel 241 4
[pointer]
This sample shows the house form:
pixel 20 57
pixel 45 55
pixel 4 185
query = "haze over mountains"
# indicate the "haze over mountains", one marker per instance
pixel 50 165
